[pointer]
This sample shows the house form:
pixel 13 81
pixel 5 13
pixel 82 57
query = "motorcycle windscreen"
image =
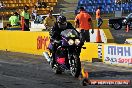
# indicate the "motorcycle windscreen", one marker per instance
pixel 69 33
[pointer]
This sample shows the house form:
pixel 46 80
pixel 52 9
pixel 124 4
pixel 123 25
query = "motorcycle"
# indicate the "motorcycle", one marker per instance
pixel 66 55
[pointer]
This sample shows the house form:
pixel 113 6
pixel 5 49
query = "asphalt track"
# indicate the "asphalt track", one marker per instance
pixel 121 35
pixel 18 70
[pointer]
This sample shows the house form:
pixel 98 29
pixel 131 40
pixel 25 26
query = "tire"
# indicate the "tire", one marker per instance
pixel 75 66
pixel 57 69
pixel 52 62
pixel 117 26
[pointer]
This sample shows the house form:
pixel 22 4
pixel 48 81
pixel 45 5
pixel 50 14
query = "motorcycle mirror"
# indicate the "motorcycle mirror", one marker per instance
pixel 84 47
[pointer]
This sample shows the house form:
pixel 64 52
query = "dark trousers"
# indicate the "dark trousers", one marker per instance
pixel 26 25
pixel 99 22
pixel 85 36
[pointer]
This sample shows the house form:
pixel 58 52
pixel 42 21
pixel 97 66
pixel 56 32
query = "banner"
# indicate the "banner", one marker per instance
pixel 118 55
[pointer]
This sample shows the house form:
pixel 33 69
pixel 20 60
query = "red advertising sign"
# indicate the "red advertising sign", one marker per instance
pixel 42 42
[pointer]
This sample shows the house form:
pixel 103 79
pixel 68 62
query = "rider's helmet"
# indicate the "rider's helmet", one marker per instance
pixel 62 22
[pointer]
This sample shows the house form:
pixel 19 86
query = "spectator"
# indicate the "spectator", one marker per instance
pixel 83 21
pixel 14 19
pixel 19 13
pixel 98 17
pixel 38 19
pixel 26 16
pixel 34 12
pixel 2 4
pixel 43 4
pixel 50 20
pixel 38 4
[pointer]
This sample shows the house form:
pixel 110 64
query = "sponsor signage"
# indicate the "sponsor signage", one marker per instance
pixel 121 55
pixel 42 42
pixel 110 82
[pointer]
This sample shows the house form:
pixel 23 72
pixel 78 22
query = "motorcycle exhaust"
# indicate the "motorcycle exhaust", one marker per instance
pixel 47 57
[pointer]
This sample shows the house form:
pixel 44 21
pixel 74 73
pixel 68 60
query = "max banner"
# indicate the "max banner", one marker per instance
pixel 118 54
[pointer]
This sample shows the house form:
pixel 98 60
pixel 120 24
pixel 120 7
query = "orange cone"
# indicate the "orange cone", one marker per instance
pixel 98 37
pixel 127 28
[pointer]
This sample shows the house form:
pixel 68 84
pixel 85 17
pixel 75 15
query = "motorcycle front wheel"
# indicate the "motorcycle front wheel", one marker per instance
pixel 75 66
pixel 57 69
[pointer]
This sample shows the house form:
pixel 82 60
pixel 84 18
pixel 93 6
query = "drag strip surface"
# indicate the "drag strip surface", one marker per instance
pixel 18 70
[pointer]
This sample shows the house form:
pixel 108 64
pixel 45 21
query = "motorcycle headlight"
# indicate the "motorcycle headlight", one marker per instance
pixel 70 42
pixel 77 41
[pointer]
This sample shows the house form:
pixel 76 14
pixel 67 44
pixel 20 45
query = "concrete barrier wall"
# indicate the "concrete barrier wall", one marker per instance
pixel 36 43
pixel 24 41
pixel 90 53
pixel 105 34
pixel 108 53
pixel 117 54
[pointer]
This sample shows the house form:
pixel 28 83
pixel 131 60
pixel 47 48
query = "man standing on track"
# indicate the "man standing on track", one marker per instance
pixel 98 17
pixel 83 21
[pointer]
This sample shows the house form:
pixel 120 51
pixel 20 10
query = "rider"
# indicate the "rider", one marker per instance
pixel 60 25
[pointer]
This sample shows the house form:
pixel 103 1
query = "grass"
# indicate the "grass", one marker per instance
pixel 104 25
